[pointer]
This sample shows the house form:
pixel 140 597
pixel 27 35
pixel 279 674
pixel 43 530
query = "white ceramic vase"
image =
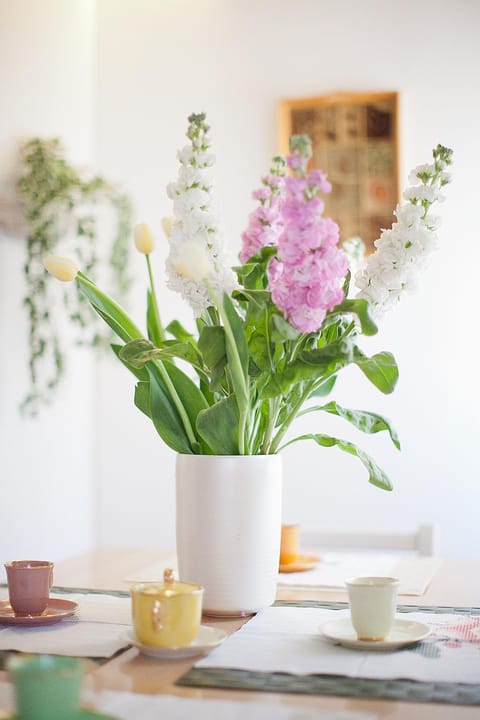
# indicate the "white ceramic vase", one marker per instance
pixel 228 526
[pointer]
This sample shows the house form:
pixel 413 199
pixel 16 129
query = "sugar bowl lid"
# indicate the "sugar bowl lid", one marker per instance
pixel 168 588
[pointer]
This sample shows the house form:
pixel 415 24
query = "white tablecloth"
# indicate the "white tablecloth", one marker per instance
pixel 98 629
pixel 289 639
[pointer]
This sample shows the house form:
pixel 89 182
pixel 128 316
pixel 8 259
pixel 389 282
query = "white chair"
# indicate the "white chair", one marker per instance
pixel 422 541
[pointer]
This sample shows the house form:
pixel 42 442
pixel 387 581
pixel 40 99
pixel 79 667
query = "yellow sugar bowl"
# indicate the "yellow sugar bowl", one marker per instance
pixel 168 613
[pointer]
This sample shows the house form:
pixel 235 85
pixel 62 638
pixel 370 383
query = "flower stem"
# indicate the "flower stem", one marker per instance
pixel 291 417
pixel 240 383
pixel 272 419
pixel 158 322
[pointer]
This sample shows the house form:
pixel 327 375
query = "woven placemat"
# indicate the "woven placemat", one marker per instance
pixel 340 685
pixel 59 590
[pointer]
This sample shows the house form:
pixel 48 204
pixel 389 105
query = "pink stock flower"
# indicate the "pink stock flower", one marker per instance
pixel 306 276
pixel 295 160
pixel 264 223
pixel 317 178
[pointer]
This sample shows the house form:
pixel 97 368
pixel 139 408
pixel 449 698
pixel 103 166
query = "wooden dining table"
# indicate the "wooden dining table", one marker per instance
pixel 455 584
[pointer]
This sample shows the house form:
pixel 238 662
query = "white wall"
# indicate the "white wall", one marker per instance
pixel 235 59
pixel 46 464
pixel 155 62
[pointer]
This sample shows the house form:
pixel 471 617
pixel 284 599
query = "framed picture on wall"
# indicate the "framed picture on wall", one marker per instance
pixel 355 141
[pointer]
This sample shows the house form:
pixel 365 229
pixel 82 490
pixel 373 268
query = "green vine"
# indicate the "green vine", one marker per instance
pixel 62 206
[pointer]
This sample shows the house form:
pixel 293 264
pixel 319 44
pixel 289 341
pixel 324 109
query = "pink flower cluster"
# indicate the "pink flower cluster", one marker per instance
pixel 264 223
pixel 306 276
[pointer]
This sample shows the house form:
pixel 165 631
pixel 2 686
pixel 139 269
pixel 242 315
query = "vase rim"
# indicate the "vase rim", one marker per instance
pixel 204 455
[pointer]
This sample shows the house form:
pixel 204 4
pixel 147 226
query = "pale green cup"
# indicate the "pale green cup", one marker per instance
pixel 46 687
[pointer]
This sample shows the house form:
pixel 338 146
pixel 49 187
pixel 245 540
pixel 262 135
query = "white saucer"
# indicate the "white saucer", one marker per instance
pixel 208 638
pixel 403 633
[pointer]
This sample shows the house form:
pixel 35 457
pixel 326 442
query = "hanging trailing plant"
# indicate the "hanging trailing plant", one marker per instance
pixel 61 205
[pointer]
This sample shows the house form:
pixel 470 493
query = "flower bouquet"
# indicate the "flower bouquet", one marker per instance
pixel 273 332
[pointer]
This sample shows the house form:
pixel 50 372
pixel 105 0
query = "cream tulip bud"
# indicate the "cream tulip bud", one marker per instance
pixel 167 223
pixel 192 262
pixel 143 238
pixel 62 268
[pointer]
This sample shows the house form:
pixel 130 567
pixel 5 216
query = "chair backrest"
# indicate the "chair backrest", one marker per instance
pixel 422 541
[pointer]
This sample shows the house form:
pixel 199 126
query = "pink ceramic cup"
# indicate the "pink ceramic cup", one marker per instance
pixel 29 583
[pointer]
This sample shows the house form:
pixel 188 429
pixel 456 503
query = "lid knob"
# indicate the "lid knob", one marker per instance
pixel 168 578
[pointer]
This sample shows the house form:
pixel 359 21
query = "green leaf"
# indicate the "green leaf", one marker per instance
pixel 176 329
pixel 361 309
pixel 259 355
pixel 376 476
pixel 367 422
pixel 257 299
pixel 282 330
pixel 139 373
pixel 139 352
pixel 236 325
pixel 171 349
pixel 325 388
pixel 310 365
pixel 142 398
pixel 327 356
pixel 252 274
pixel 190 396
pixel 237 352
pixel 117 328
pixel 381 369
pixel 218 426
pixel 211 344
pixel 108 310
pixel 189 393
pixel 164 415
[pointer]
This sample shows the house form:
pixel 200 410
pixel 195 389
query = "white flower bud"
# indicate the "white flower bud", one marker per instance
pixel 167 223
pixel 144 241
pixel 60 267
pixel 192 261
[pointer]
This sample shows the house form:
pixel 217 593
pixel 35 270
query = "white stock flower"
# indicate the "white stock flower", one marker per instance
pixel 167 226
pixel 188 175
pixel 196 252
pixel 430 193
pixel 403 251
pixel 421 171
pixel 190 200
pixel 186 155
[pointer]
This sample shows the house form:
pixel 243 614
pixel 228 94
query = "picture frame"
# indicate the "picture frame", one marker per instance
pixel 355 141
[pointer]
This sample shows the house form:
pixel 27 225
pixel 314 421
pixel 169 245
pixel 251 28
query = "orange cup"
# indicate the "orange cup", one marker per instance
pixel 289 544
